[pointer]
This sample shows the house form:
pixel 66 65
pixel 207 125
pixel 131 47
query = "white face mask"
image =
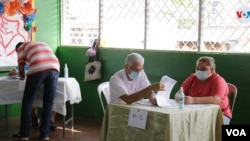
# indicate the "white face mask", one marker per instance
pixel 134 75
pixel 201 75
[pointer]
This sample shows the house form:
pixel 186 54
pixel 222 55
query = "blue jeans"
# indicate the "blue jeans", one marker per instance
pixel 49 79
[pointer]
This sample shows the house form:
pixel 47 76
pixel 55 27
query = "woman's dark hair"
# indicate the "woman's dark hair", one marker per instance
pixel 18 45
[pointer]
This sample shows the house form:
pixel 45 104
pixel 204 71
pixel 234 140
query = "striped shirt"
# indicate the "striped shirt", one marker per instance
pixel 39 56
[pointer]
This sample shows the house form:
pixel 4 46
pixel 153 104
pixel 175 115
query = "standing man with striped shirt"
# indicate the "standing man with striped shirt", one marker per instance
pixel 44 69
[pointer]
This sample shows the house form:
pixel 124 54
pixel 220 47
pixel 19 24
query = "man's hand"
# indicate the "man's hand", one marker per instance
pixel 13 73
pixel 152 99
pixel 157 87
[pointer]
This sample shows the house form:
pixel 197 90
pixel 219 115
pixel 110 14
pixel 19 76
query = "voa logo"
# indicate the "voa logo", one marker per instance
pixel 236 132
pixel 243 14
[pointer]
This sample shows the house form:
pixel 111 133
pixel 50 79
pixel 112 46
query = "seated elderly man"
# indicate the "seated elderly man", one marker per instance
pixel 131 83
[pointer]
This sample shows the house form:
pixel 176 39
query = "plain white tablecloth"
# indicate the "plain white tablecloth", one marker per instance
pixel 68 89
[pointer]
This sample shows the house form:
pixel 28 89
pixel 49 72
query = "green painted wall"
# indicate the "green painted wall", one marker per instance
pixel 47 22
pixel 178 65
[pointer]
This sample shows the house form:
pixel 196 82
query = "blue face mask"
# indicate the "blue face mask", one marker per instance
pixel 134 75
pixel 201 75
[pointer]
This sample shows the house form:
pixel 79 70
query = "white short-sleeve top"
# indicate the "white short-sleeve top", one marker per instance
pixel 120 85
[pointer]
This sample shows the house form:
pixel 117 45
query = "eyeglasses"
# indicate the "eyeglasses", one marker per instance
pixel 136 69
pixel 203 68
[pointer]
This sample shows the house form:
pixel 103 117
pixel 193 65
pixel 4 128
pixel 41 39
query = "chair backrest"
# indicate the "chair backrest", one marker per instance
pixel 232 94
pixel 104 88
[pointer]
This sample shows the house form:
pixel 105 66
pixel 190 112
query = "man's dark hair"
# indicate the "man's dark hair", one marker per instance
pixel 18 45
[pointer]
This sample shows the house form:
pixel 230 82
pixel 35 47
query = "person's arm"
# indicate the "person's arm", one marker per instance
pixel 218 90
pixel 152 99
pixel 142 93
pixel 202 100
pixel 21 71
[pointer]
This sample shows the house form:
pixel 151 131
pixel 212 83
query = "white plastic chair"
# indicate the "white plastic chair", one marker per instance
pixel 104 88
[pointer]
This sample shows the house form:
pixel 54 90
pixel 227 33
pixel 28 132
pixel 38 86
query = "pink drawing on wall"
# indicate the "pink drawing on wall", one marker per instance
pixel 11 32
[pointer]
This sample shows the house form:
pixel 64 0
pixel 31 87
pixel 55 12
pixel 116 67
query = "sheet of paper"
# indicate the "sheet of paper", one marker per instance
pixel 138 118
pixel 14 77
pixel 171 103
pixel 21 85
pixel 145 102
pixel 162 97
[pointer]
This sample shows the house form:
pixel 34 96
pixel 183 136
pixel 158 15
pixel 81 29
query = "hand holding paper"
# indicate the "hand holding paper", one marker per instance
pixel 158 86
pixel 163 88
pixel 162 97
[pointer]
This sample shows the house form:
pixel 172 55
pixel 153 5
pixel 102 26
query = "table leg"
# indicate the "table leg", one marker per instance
pixel 71 119
pixel 72 116
pixel 6 115
pixel 64 126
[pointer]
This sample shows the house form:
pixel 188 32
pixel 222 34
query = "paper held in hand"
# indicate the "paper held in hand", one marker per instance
pixel 162 97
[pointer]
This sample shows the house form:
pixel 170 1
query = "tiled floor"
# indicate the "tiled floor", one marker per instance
pixel 84 130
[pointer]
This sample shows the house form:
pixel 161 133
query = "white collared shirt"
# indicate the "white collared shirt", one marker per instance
pixel 120 85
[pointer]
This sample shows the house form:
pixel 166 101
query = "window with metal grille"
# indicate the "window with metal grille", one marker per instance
pixel 190 25
pixel 79 22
